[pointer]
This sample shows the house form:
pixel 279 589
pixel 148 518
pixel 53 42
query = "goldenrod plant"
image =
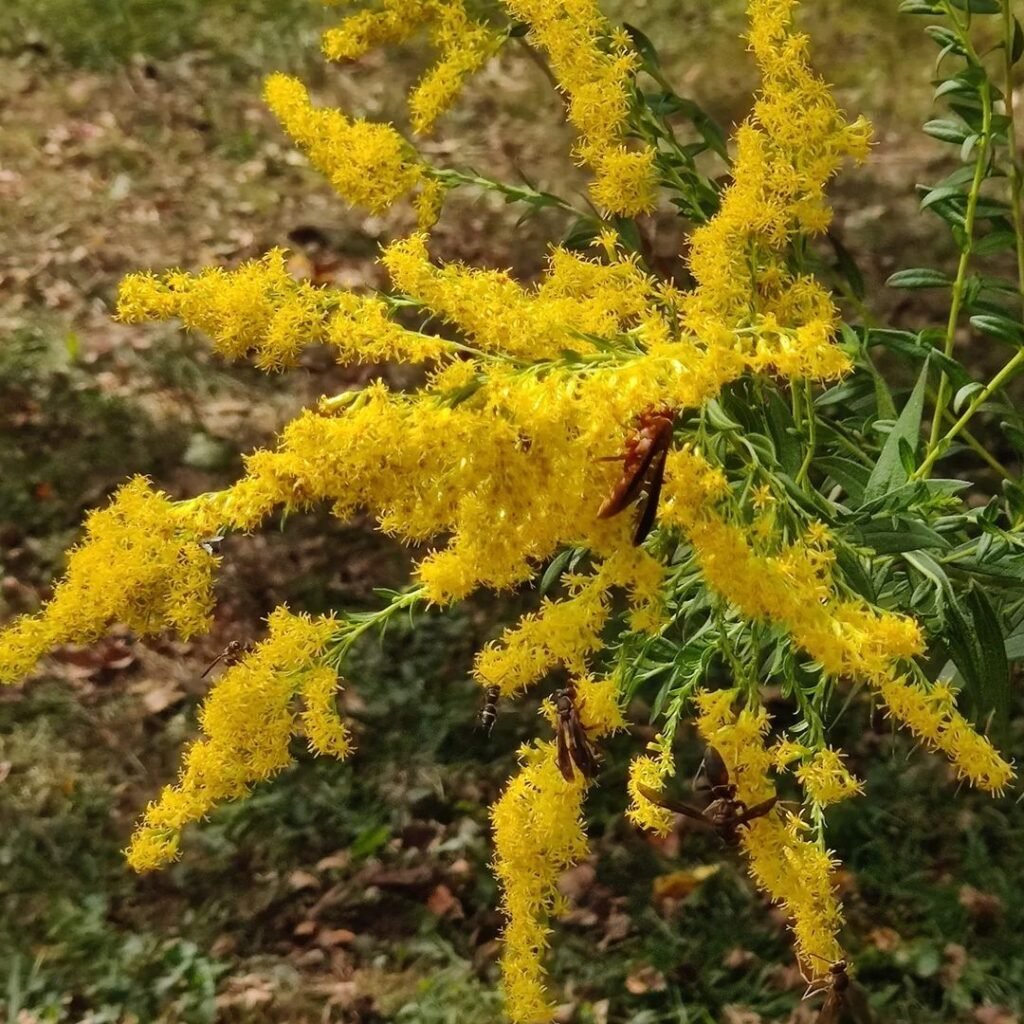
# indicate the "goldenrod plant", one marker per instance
pixel 812 534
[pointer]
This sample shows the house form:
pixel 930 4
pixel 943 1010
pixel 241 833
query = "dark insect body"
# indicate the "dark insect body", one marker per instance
pixel 643 470
pixel 572 742
pixel 724 813
pixel 489 712
pixel 845 1001
pixel 230 655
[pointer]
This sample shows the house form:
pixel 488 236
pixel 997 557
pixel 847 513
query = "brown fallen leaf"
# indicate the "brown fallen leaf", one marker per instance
pixel 738 958
pixel 575 883
pixel 984 907
pixel 989 1014
pixel 616 928
pixel 739 1015
pixel 329 937
pixel 443 903
pixel 156 699
pixel 299 880
pixel 954 958
pixel 304 929
pixel 334 861
pixel 885 939
pixel 645 979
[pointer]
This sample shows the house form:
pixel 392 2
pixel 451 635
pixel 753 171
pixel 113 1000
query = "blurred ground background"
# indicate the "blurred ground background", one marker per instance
pixel 133 137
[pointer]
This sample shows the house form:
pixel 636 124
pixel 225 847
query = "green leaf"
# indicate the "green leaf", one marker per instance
pixel 553 573
pixel 995 241
pixel 1008 570
pixel 918 7
pixel 1000 327
pixel 850 475
pixel 890 535
pixel 854 573
pixel 643 46
pixel 580 234
pixel 1015 645
pixel 919 277
pixel 978 6
pixel 1017 46
pixel 889 471
pixel 993 666
pixel 945 38
pixel 946 131
pixel 964 394
pixel 783 433
pixel 938 194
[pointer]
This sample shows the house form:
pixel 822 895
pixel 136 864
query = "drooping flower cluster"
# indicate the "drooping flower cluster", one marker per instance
pixel 846 637
pixel 793 143
pixel 367 164
pixel 260 309
pixel 793 869
pixel 141 563
pixel 538 833
pixel 594 66
pixel 248 720
pixel 463 46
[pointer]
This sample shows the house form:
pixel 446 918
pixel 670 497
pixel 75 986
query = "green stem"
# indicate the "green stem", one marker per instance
pixel 354 627
pixel 980 163
pixel 1011 140
pixel 812 425
pixel 943 443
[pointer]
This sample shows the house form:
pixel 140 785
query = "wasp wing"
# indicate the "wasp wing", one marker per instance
pixel 564 754
pixel 581 750
pixel 677 806
pixel 649 504
pixel 847 1006
pixel 213 664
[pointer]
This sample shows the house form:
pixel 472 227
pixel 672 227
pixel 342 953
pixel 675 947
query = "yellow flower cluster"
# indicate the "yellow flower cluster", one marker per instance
pixel 248 721
pixel 463 45
pixel 650 770
pixel 794 871
pixel 826 780
pixel 367 164
pixel 538 833
pixel 847 638
pixel 794 141
pixel 594 67
pixel 506 472
pixel 565 633
pixel 931 715
pixel 261 309
pixel 576 297
pixel 140 564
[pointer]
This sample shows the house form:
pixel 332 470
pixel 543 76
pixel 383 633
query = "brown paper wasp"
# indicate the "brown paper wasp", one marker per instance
pixel 643 470
pixel 725 814
pixel 573 744
pixel 489 712
pixel 230 656
pixel 845 1001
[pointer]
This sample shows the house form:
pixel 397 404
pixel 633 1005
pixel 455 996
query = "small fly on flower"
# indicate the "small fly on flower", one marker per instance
pixel 725 814
pixel 489 712
pixel 643 470
pixel 573 744
pixel 230 656
pixel 845 1001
